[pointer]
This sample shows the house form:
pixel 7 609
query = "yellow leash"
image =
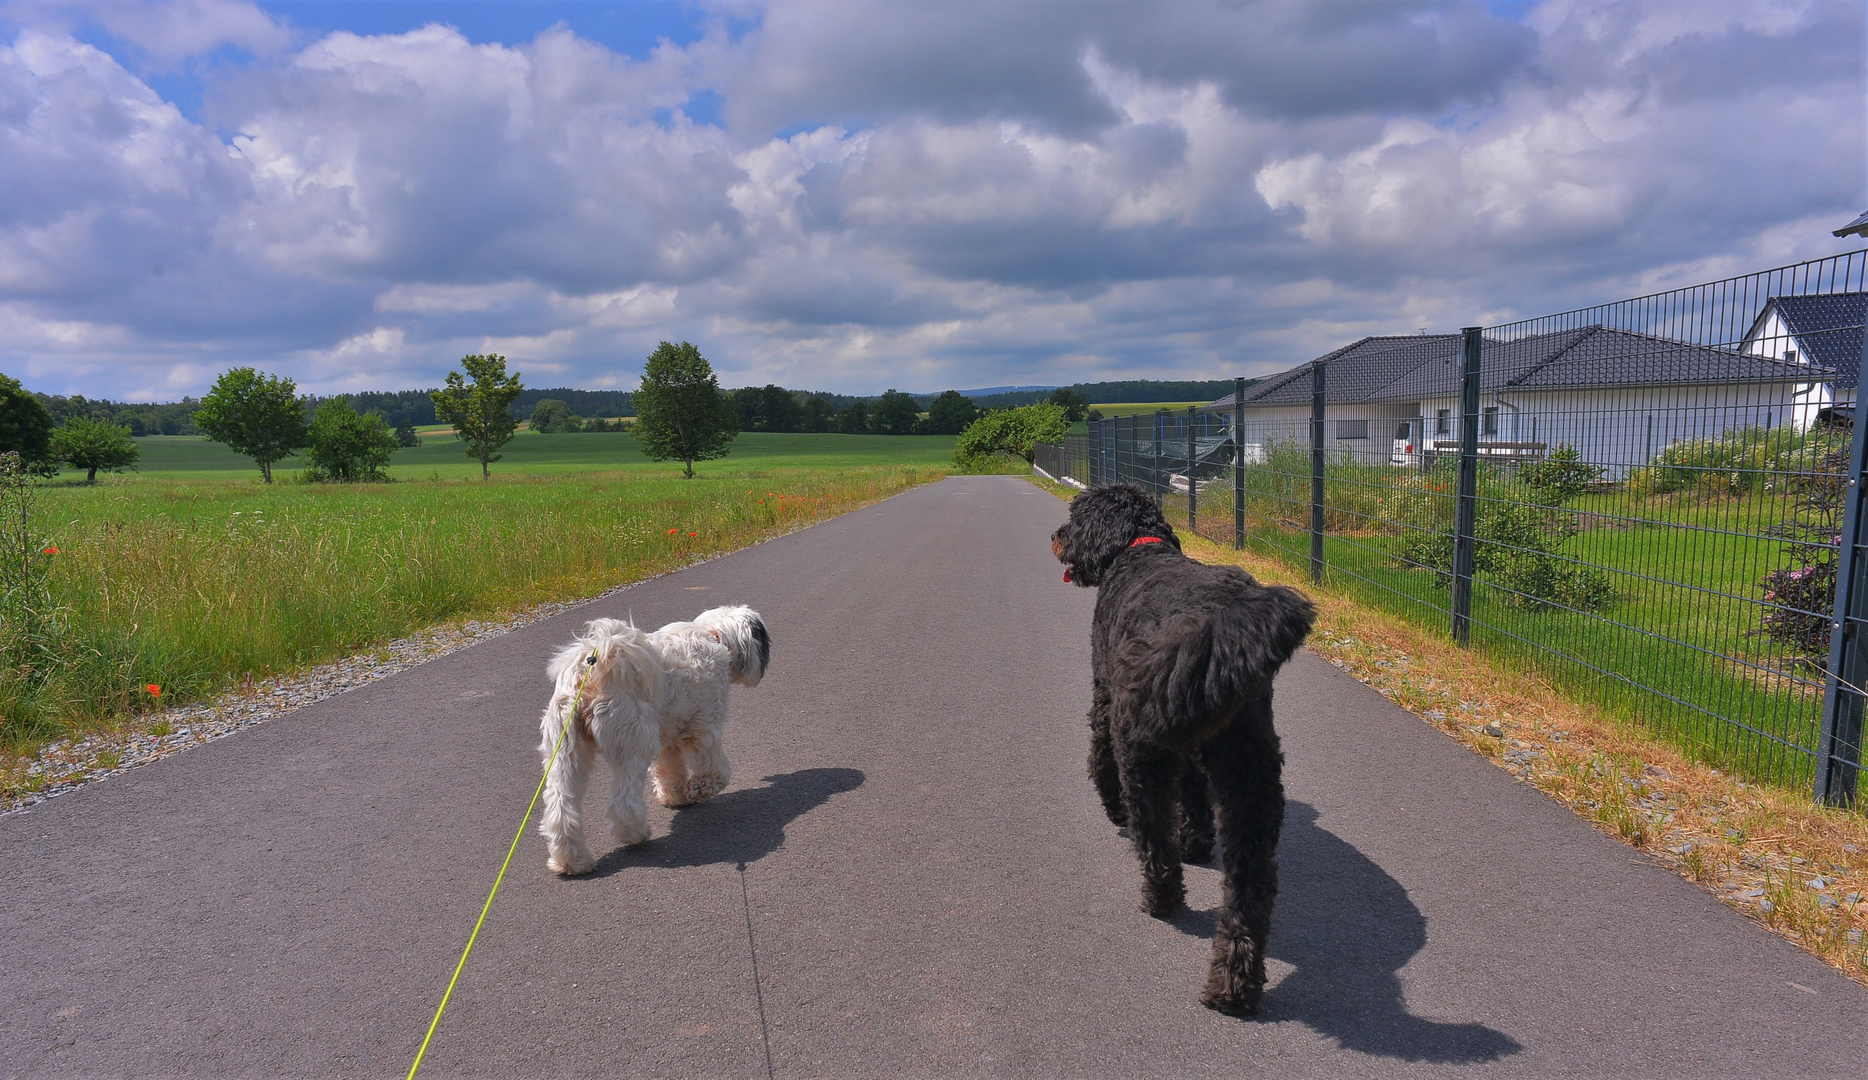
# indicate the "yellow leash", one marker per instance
pixel 589 665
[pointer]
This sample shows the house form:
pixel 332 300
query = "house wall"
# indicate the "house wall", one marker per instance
pixel 1772 338
pixel 1622 428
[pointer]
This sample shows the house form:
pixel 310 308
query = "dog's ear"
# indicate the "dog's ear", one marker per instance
pixel 1104 521
pixel 763 640
pixel 750 643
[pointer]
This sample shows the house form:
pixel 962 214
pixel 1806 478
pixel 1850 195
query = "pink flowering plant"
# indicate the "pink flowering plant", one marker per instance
pixel 1799 598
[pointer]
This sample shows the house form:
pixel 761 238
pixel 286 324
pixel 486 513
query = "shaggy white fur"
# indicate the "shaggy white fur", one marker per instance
pixel 652 703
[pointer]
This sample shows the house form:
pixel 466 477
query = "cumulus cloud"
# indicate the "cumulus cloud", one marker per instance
pixel 911 195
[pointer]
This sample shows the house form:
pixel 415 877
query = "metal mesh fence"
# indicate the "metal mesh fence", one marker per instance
pixel 1651 502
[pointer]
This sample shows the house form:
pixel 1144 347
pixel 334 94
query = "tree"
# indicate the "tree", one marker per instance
pixel 26 429
pixel 854 420
pixel 88 443
pixel 681 412
pixel 479 413
pixel 895 413
pixel 1074 404
pixel 950 413
pixel 766 408
pixel 816 415
pixel 257 415
pixel 780 409
pixel 405 434
pixel 348 446
pixel 552 416
pixel 1013 431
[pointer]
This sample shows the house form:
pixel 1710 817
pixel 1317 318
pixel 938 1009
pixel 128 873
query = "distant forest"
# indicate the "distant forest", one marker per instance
pixel 761 408
pixel 1131 390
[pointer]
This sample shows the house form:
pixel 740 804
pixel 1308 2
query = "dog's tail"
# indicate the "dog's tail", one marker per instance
pixel 1199 667
pixel 625 664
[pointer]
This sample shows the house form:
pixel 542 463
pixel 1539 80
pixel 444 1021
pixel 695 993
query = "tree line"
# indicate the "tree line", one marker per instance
pixel 1119 390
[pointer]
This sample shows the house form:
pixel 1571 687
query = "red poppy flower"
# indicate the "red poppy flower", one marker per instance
pixel 153 689
pixel 671 532
pixel 51 551
pixel 694 534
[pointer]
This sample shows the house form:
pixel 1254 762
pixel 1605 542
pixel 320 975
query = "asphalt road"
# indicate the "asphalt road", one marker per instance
pixel 909 876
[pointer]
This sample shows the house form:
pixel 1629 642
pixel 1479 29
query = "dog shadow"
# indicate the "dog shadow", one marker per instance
pixel 1348 928
pixel 735 828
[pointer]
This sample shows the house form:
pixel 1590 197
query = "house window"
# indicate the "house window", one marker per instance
pixel 1443 422
pixel 1352 429
pixel 1790 355
pixel 1489 425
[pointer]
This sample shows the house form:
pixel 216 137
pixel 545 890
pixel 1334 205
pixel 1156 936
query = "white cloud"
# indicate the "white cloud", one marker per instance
pixel 919 197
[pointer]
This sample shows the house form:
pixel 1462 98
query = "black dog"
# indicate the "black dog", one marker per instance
pixel 1180 722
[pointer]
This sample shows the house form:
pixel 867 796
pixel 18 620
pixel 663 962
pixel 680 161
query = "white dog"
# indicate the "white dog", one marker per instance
pixel 647 700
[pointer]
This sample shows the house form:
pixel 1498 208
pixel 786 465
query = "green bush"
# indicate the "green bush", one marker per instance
pixel 1738 462
pixel 347 446
pixel 1519 530
pixel 1013 431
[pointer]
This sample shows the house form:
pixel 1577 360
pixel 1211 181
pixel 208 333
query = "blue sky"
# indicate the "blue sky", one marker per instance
pixel 861 194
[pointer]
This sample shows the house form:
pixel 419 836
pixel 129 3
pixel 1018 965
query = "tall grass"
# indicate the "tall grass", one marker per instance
pixel 1678 649
pixel 193 584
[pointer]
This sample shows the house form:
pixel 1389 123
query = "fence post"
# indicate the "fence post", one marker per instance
pixel 1466 509
pixel 1238 462
pixel 1316 474
pixel 1193 489
pixel 1134 447
pixel 1838 747
pixel 1158 426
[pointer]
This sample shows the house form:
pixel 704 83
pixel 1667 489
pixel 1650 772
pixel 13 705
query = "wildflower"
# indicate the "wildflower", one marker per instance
pixel 51 550
pixel 694 534
pixel 153 689
pixel 671 532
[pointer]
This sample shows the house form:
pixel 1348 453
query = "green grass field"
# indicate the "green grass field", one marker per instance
pixel 1131 408
pixel 442 457
pixel 192 574
pixel 1678 650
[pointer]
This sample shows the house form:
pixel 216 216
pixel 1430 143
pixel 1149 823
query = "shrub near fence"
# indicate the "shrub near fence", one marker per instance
pixel 1647 501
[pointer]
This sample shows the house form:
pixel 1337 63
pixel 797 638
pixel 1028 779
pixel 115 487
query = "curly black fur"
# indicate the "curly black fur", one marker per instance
pixel 1182 748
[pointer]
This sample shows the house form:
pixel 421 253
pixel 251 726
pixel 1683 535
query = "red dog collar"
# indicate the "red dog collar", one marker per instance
pixel 1070 571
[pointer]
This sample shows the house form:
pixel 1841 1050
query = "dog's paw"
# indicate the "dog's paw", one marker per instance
pixel 673 795
pixel 631 833
pixel 1241 1004
pixel 1196 848
pixel 704 787
pixel 1235 981
pixel 1161 899
pixel 570 863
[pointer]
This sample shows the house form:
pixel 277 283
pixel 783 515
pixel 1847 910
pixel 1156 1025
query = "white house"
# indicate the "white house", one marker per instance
pixel 1821 333
pixel 1618 397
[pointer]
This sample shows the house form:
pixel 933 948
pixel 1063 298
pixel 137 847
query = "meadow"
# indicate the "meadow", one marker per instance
pixel 1678 650
pixel 190 574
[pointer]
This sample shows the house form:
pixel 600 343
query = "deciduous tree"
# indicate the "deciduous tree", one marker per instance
pixel 950 413
pixel 90 443
pixel 258 415
pixel 479 413
pixel 551 416
pixel 348 446
pixel 1013 431
pixel 681 412
pixel 1076 407
pixel 895 413
pixel 26 428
